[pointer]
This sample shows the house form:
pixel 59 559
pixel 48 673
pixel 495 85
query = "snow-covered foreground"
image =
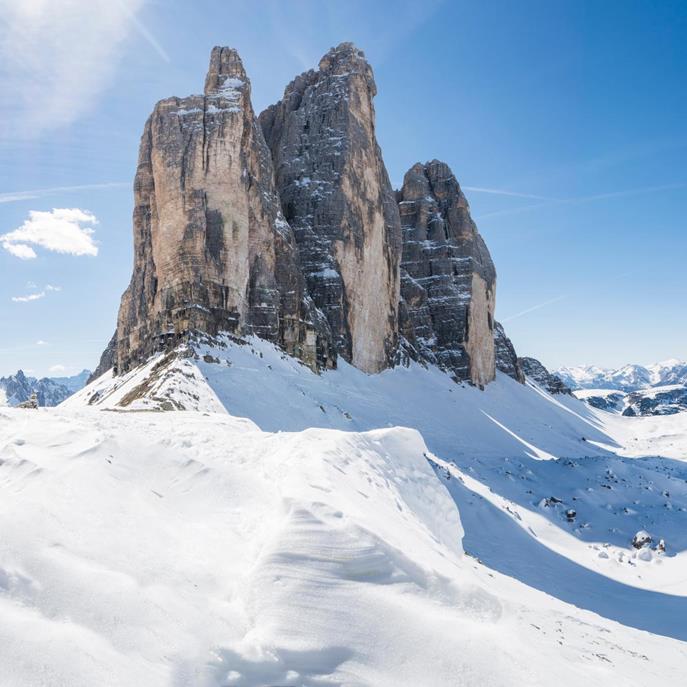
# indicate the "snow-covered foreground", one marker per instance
pixel 189 548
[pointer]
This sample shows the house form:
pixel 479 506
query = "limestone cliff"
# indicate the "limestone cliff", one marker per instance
pixel 506 358
pixel 212 250
pixel 335 193
pixel 535 371
pixel 448 281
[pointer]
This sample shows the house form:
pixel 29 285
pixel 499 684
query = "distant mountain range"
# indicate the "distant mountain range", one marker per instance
pixel 658 389
pixel 627 378
pixel 50 391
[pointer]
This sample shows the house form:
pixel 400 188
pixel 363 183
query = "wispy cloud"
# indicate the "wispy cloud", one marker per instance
pixel 15 196
pixel 62 230
pixel 57 58
pixel 143 30
pixel 504 192
pixel 36 296
pixel 28 298
pixel 532 309
pixel 578 200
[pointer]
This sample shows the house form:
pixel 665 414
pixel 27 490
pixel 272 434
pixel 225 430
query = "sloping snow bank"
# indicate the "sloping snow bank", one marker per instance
pixel 170 549
pixel 258 381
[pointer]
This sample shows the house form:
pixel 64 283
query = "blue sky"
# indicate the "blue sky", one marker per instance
pixel 565 123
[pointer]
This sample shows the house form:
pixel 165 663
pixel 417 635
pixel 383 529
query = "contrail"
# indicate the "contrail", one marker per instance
pixel 143 31
pixel 14 196
pixel 583 199
pixel 503 192
pixel 533 308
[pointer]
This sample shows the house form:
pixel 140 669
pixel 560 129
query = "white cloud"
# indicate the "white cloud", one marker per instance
pixel 57 369
pixel 28 298
pixel 40 342
pixel 56 58
pixel 19 250
pixel 61 230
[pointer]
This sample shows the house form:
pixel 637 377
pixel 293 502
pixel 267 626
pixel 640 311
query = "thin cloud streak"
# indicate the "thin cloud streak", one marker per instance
pixel 144 32
pixel 585 199
pixel 533 308
pixel 15 196
pixel 503 192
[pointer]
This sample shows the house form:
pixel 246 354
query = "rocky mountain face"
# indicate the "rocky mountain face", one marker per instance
pixel 286 227
pixel 507 360
pixel 535 371
pixel 50 391
pixel 448 281
pixel 212 249
pixel 336 195
pixel 666 400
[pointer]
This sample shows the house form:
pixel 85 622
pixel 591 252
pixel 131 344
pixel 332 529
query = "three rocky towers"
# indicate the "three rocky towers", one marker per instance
pixel 286 226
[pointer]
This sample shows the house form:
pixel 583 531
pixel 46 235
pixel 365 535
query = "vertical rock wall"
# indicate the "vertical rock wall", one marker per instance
pixel 448 281
pixel 335 193
pixel 212 250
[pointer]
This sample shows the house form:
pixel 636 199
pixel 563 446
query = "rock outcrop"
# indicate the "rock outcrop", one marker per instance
pixel 506 357
pixel 448 280
pixel 335 193
pixel 212 250
pixel 535 371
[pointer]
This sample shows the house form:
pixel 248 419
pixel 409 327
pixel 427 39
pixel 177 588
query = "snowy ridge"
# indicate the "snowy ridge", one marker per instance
pixel 192 549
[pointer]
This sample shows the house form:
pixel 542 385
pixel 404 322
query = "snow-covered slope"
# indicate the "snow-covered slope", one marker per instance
pixel 190 548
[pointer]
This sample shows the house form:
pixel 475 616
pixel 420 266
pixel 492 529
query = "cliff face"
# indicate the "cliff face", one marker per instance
pixel 506 357
pixel 448 281
pixel 287 227
pixel 539 374
pixel 335 193
pixel 212 250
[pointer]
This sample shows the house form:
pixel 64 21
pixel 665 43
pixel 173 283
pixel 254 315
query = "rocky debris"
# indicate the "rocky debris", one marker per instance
pixel 448 280
pixel 535 371
pixel 336 194
pixel 213 252
pixel 641 539
pixel 18 388
pixel 506 357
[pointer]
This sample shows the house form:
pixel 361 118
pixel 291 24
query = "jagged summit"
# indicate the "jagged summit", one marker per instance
pixel 226 71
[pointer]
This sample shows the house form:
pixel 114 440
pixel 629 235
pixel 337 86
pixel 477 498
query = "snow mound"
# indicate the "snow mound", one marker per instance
pixel 187 548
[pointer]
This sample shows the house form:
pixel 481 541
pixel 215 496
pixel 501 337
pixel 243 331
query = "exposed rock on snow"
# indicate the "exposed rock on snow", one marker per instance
pixel 448 281
pixel 535 371
pixel 335 193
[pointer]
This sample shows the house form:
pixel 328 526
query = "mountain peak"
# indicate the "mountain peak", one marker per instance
pixel 225 71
